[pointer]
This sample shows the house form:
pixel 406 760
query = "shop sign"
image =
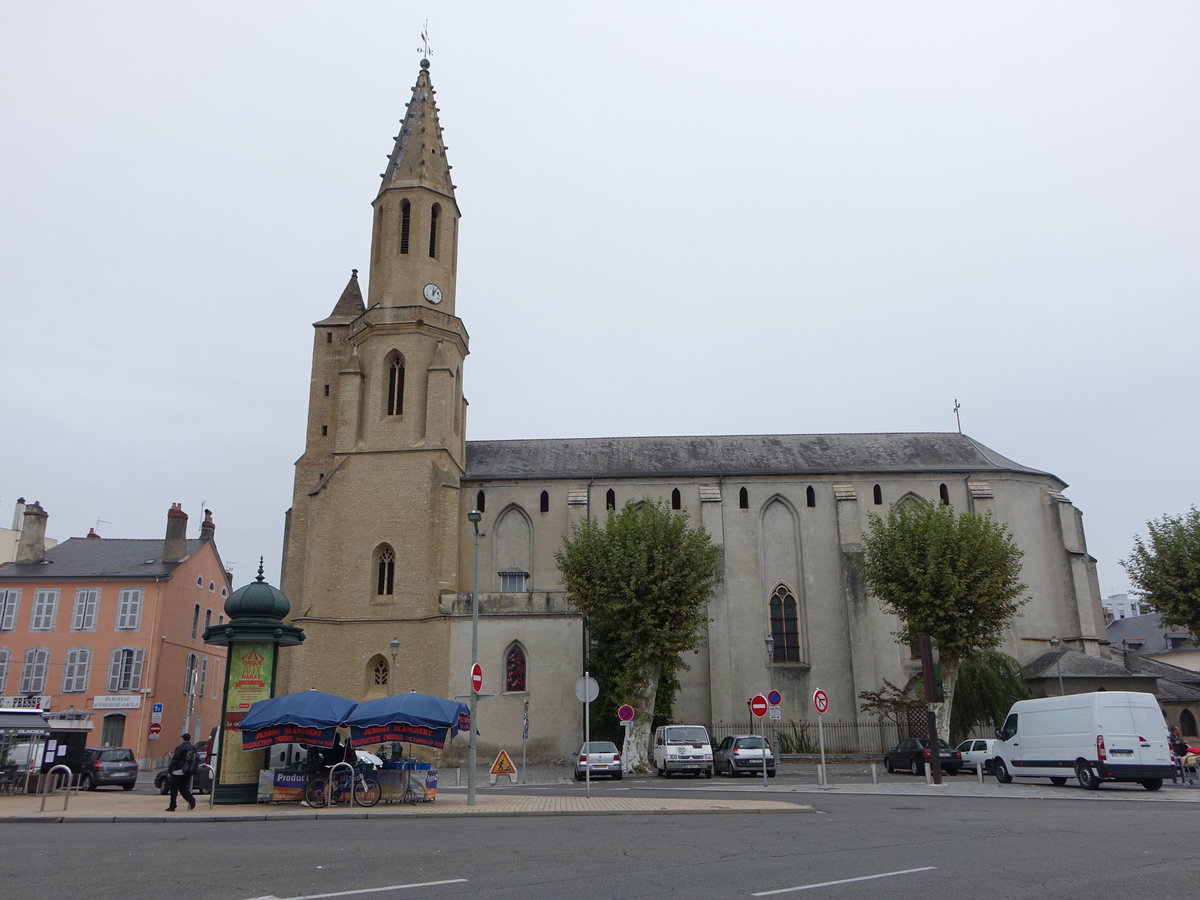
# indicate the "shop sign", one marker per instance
pixel 117 701
pixel 24 704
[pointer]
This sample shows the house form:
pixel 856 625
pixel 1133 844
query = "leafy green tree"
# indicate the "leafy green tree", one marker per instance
pixel 1166 571
pixel 643 580
pixel 989 683
pixel 954 577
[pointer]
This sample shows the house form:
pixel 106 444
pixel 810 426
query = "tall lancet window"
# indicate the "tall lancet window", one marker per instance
pixel 785 625
pixel 405 224
pixel 385 571
pixel 434 214
pixel 395 386
pixel 514 668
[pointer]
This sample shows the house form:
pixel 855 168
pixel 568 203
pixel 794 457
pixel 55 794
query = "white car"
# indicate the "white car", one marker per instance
pixel 977 752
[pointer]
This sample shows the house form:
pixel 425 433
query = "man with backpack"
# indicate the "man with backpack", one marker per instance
pixel 181 768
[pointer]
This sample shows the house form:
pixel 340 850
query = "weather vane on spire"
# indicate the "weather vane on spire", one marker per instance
pixel 424 48
pixel 957 406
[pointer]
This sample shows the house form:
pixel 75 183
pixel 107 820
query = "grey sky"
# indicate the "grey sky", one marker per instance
pixel 677 219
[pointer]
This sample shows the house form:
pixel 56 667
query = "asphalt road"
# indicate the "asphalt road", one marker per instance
pixel 855 846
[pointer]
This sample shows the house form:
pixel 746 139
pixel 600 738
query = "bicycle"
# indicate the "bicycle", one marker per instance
pixel 366 790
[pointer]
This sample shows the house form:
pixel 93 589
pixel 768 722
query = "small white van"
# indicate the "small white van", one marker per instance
pixel 1100 736
pixel 682 748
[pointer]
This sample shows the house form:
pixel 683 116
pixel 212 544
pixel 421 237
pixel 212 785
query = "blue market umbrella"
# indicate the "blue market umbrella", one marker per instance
pixel 412 717
pixel 309 717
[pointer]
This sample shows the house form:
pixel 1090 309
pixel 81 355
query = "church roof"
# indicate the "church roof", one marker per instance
pixel 103 558
pixel 350 305
pixel 419 156
pixel 727 455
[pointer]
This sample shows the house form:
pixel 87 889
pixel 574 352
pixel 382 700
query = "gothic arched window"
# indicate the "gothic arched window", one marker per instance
pixel 405 224
pixel 514 668
pixel 944 493
pixel 434 213
pixel 743 499
pixel 380 672
pixel 785 625
pixel 877 495
pixel 544 502
pixel 676 499
pixel 810 496
pixel 610 499
pixel 479 501
pixel 385 570
pixel 395 386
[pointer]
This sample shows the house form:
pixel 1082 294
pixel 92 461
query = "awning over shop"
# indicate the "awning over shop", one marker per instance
pixel 23 723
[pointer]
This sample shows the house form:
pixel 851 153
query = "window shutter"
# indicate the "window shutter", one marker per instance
pixel 114 670
pixel 135 678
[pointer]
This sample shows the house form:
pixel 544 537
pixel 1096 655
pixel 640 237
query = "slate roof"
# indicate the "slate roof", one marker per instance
pixel 1078 665
pixel 1148 628
pixel 731 455
pixel 103 558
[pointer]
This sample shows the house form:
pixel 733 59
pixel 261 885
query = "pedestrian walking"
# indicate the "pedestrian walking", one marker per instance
pixel 181 768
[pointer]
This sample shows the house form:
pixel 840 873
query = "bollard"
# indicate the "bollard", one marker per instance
pixel 979 772
pixel 928 774
pixel 874 774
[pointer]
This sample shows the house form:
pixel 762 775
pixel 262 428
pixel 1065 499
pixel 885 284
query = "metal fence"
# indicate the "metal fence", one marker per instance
pixel 841 737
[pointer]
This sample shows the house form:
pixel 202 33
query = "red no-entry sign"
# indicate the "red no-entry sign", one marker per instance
pixel 476 678
pixel 758 705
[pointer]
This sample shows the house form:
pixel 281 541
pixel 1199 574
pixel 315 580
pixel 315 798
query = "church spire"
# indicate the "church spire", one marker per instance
pixel 414 238
pixel 419 156
pixel 350 304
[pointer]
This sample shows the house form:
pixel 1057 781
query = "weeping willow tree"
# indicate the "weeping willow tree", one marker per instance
pixel 988 684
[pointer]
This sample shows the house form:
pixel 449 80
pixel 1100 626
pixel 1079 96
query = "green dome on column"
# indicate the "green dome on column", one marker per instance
pixel 255 612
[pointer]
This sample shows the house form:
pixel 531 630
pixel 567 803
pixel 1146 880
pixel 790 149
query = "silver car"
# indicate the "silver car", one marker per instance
pixel 598 758
pixel 740 753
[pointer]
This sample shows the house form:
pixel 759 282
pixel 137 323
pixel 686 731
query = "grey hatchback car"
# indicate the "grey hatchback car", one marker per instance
pixel 598 758
pixel 740 753
pixel 108 765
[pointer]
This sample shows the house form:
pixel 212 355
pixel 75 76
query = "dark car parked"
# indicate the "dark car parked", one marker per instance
pixel 740 753
pixel 913 754
pixel 108 765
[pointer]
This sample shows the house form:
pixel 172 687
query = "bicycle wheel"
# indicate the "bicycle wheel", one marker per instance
pixel 366 791
pixel 314 792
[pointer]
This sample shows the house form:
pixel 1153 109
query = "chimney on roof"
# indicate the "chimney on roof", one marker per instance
pixel 19 514
pixel 92 536
pixel 208 527
pixel 175 543
pixel 32 546
pixel 1131 659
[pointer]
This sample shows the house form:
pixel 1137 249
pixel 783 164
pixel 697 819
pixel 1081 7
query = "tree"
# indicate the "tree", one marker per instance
pixel 643 580
pixel 953 577
pixel 1166 572
pixel 989 683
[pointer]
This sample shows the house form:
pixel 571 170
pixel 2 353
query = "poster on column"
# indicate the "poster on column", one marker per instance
pixel 249 680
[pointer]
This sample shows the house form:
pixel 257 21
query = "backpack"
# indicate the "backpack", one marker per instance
pixel 191 761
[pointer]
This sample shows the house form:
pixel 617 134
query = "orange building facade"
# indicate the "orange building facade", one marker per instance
pixel 113 627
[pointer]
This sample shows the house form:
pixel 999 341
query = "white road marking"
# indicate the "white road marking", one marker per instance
pixel 390 887
pixel 809 887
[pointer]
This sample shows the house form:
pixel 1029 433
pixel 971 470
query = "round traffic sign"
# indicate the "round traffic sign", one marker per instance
pixel 820 702
pixel 587 689
pixel 758 705
pixel 774 698
pixel 625 713
pixel 476 678
pixel 155 727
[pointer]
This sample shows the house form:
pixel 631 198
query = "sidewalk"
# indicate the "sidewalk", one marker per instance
pixel 119 806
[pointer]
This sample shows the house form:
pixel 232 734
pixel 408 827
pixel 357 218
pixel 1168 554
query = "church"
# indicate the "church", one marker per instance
pixel 380 554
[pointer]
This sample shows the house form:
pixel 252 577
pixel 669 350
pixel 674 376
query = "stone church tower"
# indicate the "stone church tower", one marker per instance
pixel 385 449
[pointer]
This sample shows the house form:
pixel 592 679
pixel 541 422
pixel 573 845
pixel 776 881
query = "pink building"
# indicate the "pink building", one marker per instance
pixel 113 627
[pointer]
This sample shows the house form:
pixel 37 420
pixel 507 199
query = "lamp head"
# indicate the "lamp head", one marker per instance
pixel 394 643
pixel 475 516
pixel 1054 642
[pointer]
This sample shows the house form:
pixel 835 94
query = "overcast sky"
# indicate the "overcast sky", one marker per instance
pixel 678 218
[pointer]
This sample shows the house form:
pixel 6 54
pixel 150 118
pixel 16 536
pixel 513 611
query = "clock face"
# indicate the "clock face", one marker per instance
pixel 433 293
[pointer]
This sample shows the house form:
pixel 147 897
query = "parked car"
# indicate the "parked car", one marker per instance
pixel 977 752
pixel 598 758
pixel 108 765
pixel 913 754
pixel 740 753
pixel 682 748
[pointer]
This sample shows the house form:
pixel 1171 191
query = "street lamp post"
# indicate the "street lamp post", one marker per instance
pixel 475 516
pixel 1054 643
pixel 770 642
pixel 395 645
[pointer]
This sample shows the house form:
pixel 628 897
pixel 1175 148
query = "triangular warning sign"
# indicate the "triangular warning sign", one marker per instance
pixel 503 765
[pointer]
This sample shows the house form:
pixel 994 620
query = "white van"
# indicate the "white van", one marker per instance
pixel 682 748
pixel 1098 737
